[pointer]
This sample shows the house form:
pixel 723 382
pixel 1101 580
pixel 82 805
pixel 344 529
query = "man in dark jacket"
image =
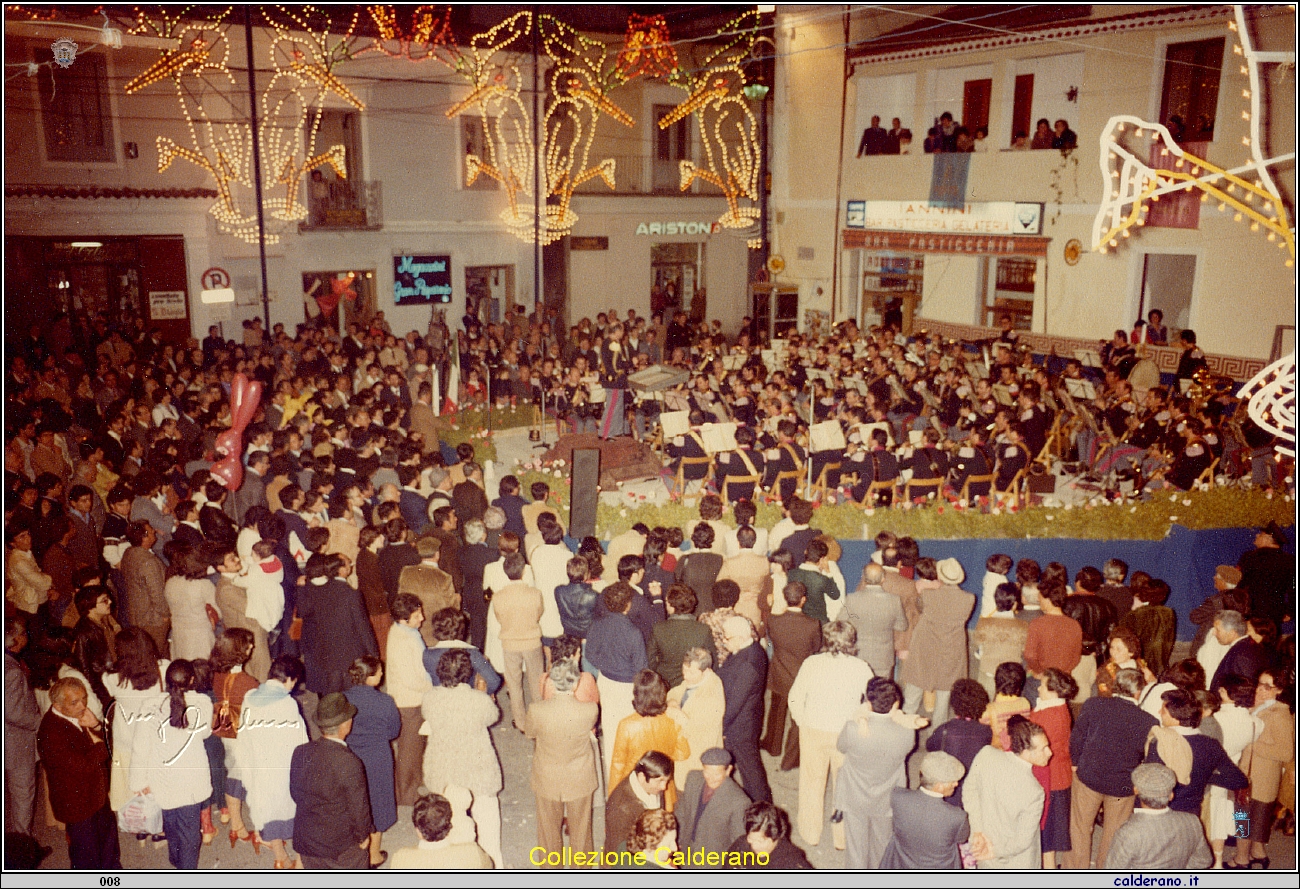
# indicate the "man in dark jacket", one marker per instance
pixel 467 498
pixel 327 781
pixel 1106 745
pixel 926 829
pixel 795 637
pixel 71 746
pixel 711 808
pixel 744 678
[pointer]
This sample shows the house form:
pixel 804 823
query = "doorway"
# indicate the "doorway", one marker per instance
pixel 675 275
pixel 1168 280
pixel 489 291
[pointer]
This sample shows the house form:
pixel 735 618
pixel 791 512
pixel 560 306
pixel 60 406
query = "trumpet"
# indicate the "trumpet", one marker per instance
pixel 1207 386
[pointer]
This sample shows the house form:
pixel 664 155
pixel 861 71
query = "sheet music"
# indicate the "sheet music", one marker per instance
pixel 718 437
pixel 769 359
pixel 675 423
pixel 977 370
pixel 827 436
pixel 865 430
pixel 916 437
pixel 1080 389
pixel 733 362
pixel 1088 357
pixel 1002 394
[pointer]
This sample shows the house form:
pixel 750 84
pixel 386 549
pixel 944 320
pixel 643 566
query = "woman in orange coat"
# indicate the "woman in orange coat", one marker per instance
pixel 651 727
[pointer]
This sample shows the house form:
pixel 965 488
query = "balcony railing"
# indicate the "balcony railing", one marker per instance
pixel 642 174
pixel 345 205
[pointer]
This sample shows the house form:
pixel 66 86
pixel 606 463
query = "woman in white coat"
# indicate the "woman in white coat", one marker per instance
pixel 457 717
pixel 192 601
pixel 135 687
pixel 271 728
pixel 169 761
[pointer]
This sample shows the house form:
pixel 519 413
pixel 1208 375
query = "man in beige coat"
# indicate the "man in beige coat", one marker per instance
pixel 701 701
pixel 144 576
pixel 423 417
pixel 429 583
pixel 938 655
pixel 518 609
pixel 753 573
pixel 564 763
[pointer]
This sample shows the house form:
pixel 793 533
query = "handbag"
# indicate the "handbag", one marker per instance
pixel 225 720
pixel 141 815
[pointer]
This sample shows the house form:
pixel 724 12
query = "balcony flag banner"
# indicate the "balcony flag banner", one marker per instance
pixel 948 181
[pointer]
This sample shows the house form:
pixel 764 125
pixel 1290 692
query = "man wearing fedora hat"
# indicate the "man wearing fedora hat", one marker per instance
pixel 938 655
pixel 332 827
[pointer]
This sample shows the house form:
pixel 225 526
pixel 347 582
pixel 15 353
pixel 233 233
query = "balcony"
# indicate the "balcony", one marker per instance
pixel 344 205
pixel 643 174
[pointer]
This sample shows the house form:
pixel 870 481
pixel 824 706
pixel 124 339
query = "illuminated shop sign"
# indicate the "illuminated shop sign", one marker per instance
pixel 421 279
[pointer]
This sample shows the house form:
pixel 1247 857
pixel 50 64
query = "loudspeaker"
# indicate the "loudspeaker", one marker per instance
pixel 584 492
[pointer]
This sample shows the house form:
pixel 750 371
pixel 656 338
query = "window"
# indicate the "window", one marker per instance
pixel 474 137
pixel 1190 96
pixel 75 115
pixel 1022 111
pixel 1168 280
pixel 672 145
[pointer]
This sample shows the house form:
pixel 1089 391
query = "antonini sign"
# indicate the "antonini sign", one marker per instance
pixel 991 218
pixel 677 228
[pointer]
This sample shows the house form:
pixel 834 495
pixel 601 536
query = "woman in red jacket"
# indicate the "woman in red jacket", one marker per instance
pixel 1052 712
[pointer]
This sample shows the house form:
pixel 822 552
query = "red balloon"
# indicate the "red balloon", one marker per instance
pixel 245 395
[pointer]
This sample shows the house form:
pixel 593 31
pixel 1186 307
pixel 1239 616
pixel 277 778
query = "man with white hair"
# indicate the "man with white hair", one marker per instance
pixel 877 616
pixel 927 829
pixel 826 693
pixel 1157 837
pixel 744 679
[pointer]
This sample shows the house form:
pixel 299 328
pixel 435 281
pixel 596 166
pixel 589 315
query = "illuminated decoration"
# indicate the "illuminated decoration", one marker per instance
pixel 728 128
pixel 495 93
pixel 303 57
pixel 647 50
pixel 580 86
pixel 1125 207
pixel 1270 402
pixel 429 31
pixel 581 78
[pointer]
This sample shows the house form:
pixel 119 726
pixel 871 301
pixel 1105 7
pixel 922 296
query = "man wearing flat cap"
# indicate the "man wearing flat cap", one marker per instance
pixel 711 810
pixel 332 827
pixel 927 829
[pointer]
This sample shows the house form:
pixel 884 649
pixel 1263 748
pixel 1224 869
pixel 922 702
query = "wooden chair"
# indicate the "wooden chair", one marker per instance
pixel 976 480
pixel 875 489
pixel 1051 446
pixel 1014 489
pixel 739 480
pixel 820 486
pixel 798 476
pixel 1207 477
pixel 925 485
pixel 681 482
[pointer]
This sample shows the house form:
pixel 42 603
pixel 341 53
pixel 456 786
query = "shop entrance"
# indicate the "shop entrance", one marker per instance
pixel 675 278
pixel 489 291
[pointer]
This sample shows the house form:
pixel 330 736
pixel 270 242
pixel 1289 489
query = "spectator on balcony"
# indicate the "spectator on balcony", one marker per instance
pixel 1065 139
pixel 318 192
pixel 1020 142
pixel 874 138
pixel 1042 136
pixel 894 137
pixel 981 144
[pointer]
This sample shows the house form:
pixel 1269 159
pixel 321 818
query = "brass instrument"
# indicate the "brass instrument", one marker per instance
pixel 1207 386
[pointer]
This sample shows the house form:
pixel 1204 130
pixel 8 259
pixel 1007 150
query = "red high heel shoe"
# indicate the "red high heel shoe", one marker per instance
pixel 248 836
pixel 205 824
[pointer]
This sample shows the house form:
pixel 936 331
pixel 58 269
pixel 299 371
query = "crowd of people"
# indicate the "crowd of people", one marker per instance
pixel 948 136
pixel 337 630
